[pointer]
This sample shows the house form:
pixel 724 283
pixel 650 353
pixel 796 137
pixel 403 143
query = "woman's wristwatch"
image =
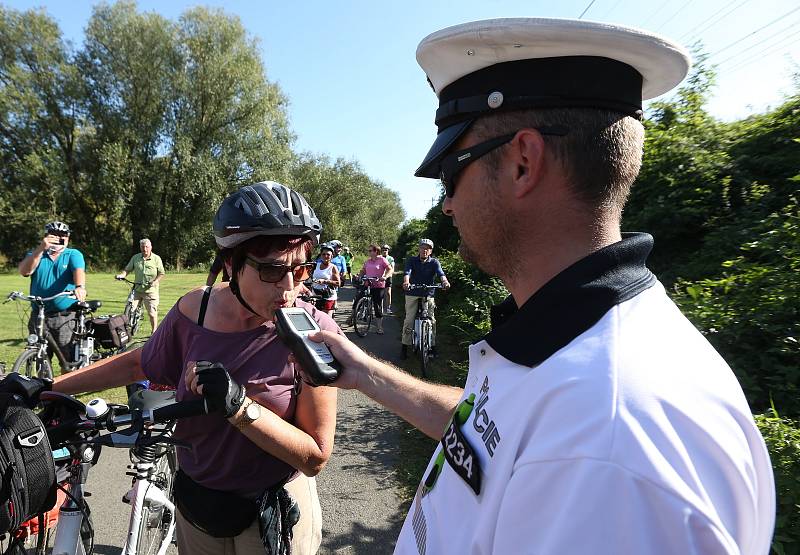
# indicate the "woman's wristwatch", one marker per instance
pixel 250 413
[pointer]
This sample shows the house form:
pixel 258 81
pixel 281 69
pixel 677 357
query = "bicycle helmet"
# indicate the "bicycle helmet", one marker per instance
pixel 266 208
pixel 427 242
pixel 326 247
pixel 335 243
pixel 56 227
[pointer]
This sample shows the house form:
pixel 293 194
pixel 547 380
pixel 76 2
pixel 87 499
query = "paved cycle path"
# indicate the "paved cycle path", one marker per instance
pixel 362 507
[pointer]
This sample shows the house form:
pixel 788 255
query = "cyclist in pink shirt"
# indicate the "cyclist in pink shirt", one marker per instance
pixel 377 266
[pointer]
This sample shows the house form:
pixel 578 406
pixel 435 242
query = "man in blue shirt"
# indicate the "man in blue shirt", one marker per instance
pixel 338 260
pixel 54 268
pixel 423 269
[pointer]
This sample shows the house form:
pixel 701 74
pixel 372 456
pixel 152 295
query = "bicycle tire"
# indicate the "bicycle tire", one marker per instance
pixel 154 524
pixel 362 316
pixel 27 365
pixel 134 318
pixel 425 346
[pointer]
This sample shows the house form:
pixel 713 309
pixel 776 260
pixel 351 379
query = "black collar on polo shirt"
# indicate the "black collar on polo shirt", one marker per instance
pixel 572 302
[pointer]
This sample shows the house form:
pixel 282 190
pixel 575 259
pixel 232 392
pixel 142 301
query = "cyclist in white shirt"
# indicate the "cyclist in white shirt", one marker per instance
pixel 594 418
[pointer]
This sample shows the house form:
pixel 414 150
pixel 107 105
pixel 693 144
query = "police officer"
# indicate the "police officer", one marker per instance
pixel 595 418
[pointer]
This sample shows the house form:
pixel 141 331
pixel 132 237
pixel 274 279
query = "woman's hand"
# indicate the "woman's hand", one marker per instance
pixel 212 381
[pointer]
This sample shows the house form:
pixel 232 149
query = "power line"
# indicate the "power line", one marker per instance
pixel 774 21
pixel 769 50
pixel 670 18
pixel 703 25
pixel 762 41
pixel 614 7
pixel 661 7
pixel 586 10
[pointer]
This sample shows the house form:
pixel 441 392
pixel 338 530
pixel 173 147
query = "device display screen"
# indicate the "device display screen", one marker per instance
pixel 301 322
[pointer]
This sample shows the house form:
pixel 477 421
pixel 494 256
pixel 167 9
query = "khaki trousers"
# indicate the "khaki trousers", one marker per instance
pixel 411 315
pixel 307 533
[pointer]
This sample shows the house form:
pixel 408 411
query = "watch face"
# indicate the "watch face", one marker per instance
pixel 253 411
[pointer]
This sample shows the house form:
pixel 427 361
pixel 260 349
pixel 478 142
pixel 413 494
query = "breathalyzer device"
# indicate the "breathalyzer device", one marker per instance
pixel 294 326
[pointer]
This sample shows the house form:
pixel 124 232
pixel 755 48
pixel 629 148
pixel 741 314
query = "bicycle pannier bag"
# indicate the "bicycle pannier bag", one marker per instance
pixel 27 470
pixel 111 331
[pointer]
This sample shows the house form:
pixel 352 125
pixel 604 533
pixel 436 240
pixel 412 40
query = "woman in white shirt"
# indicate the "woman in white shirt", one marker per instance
pixel 326 280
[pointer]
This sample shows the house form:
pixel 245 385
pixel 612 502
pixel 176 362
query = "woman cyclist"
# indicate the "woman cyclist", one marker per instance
pixel 326 280
pixel 271 431
pixel 376 266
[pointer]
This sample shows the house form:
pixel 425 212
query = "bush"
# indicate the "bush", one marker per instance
pixel 751 313
pixel 782 437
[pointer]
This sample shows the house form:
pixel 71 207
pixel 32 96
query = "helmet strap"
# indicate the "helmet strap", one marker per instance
pixel 234 286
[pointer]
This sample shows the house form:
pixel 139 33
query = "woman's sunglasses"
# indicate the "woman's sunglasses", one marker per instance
pixel 269 272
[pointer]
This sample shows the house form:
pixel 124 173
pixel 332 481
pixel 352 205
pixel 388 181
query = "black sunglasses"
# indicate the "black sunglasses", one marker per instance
pixel 270 272
pixel 455 162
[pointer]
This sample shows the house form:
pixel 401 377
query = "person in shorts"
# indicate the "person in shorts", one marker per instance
pixel 390 260
pixel 148 270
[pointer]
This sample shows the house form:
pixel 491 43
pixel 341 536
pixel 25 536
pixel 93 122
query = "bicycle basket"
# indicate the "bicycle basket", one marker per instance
pixel 111 331
pixel 27 469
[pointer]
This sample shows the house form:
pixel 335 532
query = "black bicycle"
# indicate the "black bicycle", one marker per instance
pixel 363 308
pixel 35 359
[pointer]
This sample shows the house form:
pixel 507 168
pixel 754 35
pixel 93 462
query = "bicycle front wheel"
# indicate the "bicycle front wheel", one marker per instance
pixel 362 316
pixel 157 519
pixel 425 346
pixel 29 364
pixel 134 317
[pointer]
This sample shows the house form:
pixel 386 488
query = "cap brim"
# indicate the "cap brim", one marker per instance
pixel 444 141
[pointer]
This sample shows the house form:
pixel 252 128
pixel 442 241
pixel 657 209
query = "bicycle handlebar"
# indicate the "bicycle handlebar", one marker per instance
pixel 116 416
pixel 129 281
pixel 423 286
pixel 20 296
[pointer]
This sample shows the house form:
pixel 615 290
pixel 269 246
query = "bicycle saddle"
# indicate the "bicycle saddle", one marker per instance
pixel 87 306
pixel 146 399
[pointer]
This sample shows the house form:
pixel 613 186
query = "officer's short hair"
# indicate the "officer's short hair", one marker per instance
pixel 601 154
pixel 145 241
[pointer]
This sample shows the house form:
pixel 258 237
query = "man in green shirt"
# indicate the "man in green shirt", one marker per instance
pixel 148 271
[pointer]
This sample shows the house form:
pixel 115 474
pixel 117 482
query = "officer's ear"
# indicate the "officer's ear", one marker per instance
pixel 527 157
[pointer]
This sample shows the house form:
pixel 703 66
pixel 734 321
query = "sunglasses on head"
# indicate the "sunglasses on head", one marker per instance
pixel 455 162
pixel 271 272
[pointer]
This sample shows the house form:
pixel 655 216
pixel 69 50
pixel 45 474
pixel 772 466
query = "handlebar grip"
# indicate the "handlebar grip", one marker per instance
pixel 195 407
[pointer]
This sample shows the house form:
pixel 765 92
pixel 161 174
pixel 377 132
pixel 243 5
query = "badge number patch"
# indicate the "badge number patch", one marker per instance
pixel 461 456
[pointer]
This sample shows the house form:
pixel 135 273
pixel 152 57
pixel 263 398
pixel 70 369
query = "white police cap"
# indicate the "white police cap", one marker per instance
pixel 502 64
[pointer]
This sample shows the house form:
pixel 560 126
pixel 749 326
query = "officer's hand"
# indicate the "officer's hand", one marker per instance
pixel 28 389
pixel 119 277
pixel 354 361
pixel 80 293
pixel 215 384
pixel 445 285
pixel 406 285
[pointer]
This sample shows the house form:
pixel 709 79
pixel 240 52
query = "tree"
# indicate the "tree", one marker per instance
pixel 40 112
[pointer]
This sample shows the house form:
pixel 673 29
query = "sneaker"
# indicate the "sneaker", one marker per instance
pixel 389 310
pixel 404 351
pixel 379 331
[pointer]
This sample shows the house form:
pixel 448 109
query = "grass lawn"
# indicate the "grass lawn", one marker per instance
pixel 101 286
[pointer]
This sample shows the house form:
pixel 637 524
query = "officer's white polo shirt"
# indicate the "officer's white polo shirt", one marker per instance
pixel 603 422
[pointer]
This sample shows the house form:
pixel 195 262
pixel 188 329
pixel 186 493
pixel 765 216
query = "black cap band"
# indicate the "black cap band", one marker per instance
pixel 559 82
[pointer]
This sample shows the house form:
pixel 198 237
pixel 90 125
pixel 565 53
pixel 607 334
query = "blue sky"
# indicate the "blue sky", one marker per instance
pixel 356 90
